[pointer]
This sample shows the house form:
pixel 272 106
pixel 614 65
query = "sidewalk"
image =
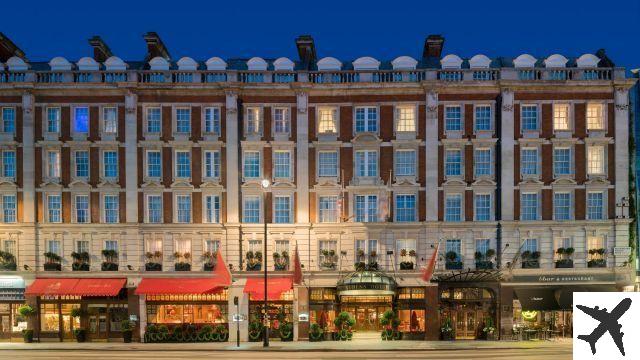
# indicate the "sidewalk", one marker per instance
pixel 297 346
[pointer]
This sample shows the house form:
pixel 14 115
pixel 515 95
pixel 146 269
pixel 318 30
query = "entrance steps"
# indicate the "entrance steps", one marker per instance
pixel 366 335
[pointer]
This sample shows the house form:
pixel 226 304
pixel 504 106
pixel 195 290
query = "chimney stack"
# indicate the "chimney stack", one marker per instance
pixel 433 45
pixel 155 46
pixel 8 49
pixel 101 51
pixel 306 50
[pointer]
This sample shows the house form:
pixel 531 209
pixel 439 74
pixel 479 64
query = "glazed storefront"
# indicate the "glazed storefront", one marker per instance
pixel 11 298
pixel 366 295
pixel 279 301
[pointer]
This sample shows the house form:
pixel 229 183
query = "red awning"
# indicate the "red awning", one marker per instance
pixel 167 286
pixel 76 287
pixel 275 287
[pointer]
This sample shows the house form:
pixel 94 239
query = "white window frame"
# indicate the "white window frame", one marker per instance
pixel 51 217
pixel 5 120
pixel 147 212
pixel 602 121
pixel 76 218
pixel 407 209
pixel 104 125
pixel 281 126
pixel 366 111
pixel 252 198
pixel 8 171
pixel 212 120
pixel 476 206
pixel 450 216
pixel 104 208
pixel 57 111
pixel 289 210
pixel 477 107
pixel 368 161
pixel 178 198
pixel 404 165
pixel 148 164
pixel 555 161
pixel 401 123
pixel 593 169
pixel 75 164
pixel 104 163
pixel 558 110
pixel 278 166
pixel 212 164
pixel 522 122
pixel 476 157
pixel 337 163
pixel 523 161
pixel 369 204
pixel 177 174
pixel 556 206
pixel 244 164
pixel 522 205
pixel 335 209
pixel 52 171
pixel 178 110
pixel 460 119
pixel 447 162
pixel 9 214
pixel 147 115
pixel 212 214
pixel 257 123
pixel 320 122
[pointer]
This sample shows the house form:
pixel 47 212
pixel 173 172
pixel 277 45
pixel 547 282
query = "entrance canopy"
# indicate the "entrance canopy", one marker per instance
pixel 366 283
pixel 275 287
pixel 76 287
pixel 180 286
pixel 554 297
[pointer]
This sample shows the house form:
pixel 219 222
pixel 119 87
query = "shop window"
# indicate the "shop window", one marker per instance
pixel 411 320
pixel 411 293
pixel 187 313
pixel 49 317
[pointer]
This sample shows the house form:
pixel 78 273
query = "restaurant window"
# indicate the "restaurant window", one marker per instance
pixel 49 317
pixel 187 313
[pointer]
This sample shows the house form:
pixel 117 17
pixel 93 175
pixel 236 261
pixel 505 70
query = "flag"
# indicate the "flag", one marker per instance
pixel 431 266
pixel 222 271
pixel 297 268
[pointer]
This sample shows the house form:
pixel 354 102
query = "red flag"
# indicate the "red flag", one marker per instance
pixel 431 266
pixel 297 268
pixel 222 271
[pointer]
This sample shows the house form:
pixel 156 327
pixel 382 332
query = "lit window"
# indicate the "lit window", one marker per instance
pixel 212 209
pixel 562 161
pixel 81 120
pixel 328 206
pixel 282 164
pixel 251 164
pixel 253 121
pixel 212 164
pixel 453 118
pixel 8 208
pixel 212 120
pixel 366 119
pixel 53 164
pixel 328 163
pixel 281 120
pixel 184 208
pixel 8 119
pixel 154 209
pixel 405 162
pixel 251 209
pixel 529 161
pixel 183 120
pixel 327 121
pixel 183 164
pixel 595 116
pixel 82 208
pixel 406 118
pixel 529 206
pixel 111 209
pixel 366 208
pixel 282 209
pixel 595 206
pixel 8 158
pixel 483 207
pixel 595 160
pixel 405 208
pixel 110 120
pixel 53 120
pixel 53 208
pixel 482 162
pixel 110 163
pixel 483 117
pixel 561 116
pixel 453 162
pixel 529 117
pixel 366 163
pixel 453 207
pixel 154 118
pixel 562 206
pixel 82 163
pixel 154 169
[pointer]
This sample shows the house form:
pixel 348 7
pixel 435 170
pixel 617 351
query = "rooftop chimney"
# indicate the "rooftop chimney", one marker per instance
pixel 9 49
pixel 155 46
pixel 433 45
pixel 605 61
pixel 101 51
pixel 306 50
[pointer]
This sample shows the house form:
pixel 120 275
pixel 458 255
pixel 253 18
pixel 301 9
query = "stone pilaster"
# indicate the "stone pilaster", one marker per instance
pixel 28 244
pixel 302 159
pixel 233 173
pixel 431 152
pixel 131 138
pixel 507 155
pixel 621 96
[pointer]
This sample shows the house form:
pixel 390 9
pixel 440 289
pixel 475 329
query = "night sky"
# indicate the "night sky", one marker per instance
pixel 343 29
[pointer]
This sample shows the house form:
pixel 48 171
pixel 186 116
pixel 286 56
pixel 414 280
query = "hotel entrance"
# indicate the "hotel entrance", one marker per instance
pixel 367 316
pixel 466 323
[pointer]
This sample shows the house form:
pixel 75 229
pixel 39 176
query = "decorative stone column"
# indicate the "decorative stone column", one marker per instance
pixel 131 139
pixel 302 158
pixel 231 144
pixel 621 98
pixel 507 155
pixel 28 242
pixel 431 156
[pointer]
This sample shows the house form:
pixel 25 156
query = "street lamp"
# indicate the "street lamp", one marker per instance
pixel 265 341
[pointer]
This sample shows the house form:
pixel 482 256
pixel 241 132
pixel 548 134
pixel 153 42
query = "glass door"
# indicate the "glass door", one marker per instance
pixel 98 321
pixel 68 322
pixel 466 323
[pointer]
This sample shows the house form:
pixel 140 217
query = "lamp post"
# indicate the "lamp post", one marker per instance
pixel 265 340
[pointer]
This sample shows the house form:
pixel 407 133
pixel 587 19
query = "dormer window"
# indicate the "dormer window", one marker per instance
pixel 366 119
pixel 212 120
pixel 453 118
pixel 327 121
pixel 53 120
pixel 253 123
pixel 110 120
pixel 183 120
pixel 281 120
pixel 8 119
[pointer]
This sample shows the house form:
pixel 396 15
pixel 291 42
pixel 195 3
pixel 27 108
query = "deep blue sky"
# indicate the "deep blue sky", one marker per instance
pixel 344 29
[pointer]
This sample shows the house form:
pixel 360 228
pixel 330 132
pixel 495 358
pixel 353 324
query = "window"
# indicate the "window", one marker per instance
pixel 454 245
pixel 326 246
pixel 530 245
pixel 483 117
pixel 595 242
pixel 53 164
pixel 212 164
pixel 595 160
pixel 562 206
pixel 154 209
pixel 482 162
pixel 595 205
pixel 529 161
pixel 561 161
pixel 453 118
pixel 183 164
pixel 453 162
pixel 366 119
pixel 453 207
pixel 328 163
pixel 184 208
pixel 211 246
pixel 82 163
pixel 253 120
pixel 563 242
pixel 8 119
pixel 483 207
pixel 81 119
pixel 561 117
pixel 282 246
pixel 251 209
pixel 53 120
pixel 212 120
pixel 212 209
pixel 154 161
pixel 281 120
pixel 406 118
pixel 328 209
pixel 111 245
pixel 405 162
pixel 529 116
pixel 111 209
pixel 110 120
pixel 251 164
pixel 529 206
pixel 282 209
pixel 54 246
pixel 405 208
pixel 406 244
pixel 183 120
pixel 366 208
pixel 595 116
pixel 282 164
pixel 327 121
pixel 82 208
pixel 110 163
pixel 154 119
pixel 8 208
pixel 482 245
pixel 366 163
pixel 54 209
pixel 8 164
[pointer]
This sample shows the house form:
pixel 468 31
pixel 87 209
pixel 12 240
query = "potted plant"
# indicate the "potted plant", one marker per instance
pixel 483 260
pixel 489 329
pixel 280 261
pixel 80 261
pixel 110 262
pixel 344 324
pixel 256 330
pixel 209 260
pixel 79 333
pixel 530 259
pixel 452 262
pixel 253 262
pixel 390 323
pixel 285 328
pixel 182 265
pixel 127 327
pixel 316 333
pixel 373 260
pixel 27 312
pixel 154 261
pixel 328 259
pixel 7 261
pixel 52 262
pixel 564 260
pixel 446 329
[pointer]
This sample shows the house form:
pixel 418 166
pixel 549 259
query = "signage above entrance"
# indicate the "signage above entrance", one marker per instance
pixel 366 283
pixel 569 278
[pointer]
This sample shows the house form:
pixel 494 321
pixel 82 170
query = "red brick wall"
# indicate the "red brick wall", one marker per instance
pixel 386 122
pixel 65 166
pixel 312 167
pixel 18 135
pixel 386 163
pixel 346 164
pixel 517 131
pixel 196 123
pixel 122 129
pixel 611 119
pixel 197 207
pixel 167 204
pixel 65 123
pixel 94 123
pixel 422 122
pixel 268 162
pixel 580 163
pixel 612 162
pixel 66 207
pixel 468 163
pixel 167 166
pixel 468 120
pixel 580 119
pixel 580 204
pixel 516 164
pixel 196 167
pixel 140 123
pixel 547 163
pixel 312 123
pixel 123 207
pixel 346 123
pixel 267 123
pixel 547 121
pixel 468 205
pixel 516 204
pixel 95 207
pixel 94 166
pixel 37 124
pixel 167 123
pixel 547 204
pixel 122 166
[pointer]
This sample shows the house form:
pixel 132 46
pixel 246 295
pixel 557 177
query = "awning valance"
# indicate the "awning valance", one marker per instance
pixel 275 287
pixel 76 287
pixel 173 286
pixel 537 299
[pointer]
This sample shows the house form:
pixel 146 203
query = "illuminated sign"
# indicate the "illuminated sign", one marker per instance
pixel 529 315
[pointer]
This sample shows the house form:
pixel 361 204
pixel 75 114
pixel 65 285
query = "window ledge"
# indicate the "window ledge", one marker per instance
pixel 530 134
